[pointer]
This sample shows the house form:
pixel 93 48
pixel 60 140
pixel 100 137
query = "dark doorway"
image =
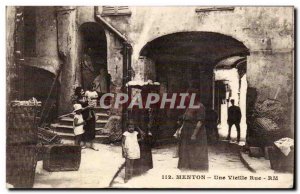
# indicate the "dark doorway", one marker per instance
pixel 94 57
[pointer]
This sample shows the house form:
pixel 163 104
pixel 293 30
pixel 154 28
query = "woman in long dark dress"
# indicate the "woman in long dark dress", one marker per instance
pixel 145 162
pixel 193 153
pixel 88 116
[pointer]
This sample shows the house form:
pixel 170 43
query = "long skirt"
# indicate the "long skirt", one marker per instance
pixel 145 162
pixel 193 154
pixel 90 128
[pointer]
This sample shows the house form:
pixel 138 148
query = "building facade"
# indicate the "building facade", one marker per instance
pixel 228 51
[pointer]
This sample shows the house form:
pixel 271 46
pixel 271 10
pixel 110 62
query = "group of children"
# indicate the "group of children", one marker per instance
pixel 131 137
pixel 78 123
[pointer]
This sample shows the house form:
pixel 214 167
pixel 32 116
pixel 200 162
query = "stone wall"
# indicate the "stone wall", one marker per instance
pixel 10 60
pixel 46 55
pixel 267 32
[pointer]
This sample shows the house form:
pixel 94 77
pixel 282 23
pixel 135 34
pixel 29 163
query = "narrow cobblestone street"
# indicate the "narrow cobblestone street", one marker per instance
pixel 224 163
pixel 97 171
pixel 222 158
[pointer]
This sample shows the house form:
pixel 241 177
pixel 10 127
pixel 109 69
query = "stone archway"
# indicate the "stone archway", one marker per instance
pixel 176 60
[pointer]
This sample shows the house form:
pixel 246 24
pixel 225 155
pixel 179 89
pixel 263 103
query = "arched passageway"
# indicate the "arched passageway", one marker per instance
pixel 183 59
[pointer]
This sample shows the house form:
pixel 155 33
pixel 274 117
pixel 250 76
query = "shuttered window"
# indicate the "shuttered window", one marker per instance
pixel 116 11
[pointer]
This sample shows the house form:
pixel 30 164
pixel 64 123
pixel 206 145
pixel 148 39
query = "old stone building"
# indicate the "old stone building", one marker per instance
pixel 226 50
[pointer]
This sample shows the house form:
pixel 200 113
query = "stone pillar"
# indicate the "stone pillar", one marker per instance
pixel 144 69
pixel 234 86
pixel 206 79
pixel 67 48
pixel 138 69
pixel 242 104
pixel 149 68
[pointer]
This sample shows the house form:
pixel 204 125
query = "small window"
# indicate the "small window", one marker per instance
pixel 116 11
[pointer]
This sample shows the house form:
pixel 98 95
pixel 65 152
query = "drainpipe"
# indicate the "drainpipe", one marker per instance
pixel 127 52
pixel 110 27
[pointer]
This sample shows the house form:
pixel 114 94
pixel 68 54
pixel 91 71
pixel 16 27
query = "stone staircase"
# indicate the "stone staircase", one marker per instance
pixel 64 127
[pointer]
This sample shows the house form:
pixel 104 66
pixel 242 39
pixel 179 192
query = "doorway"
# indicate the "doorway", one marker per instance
pixel 94 57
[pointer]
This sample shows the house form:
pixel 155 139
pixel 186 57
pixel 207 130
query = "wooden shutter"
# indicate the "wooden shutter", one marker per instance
pixel 115 11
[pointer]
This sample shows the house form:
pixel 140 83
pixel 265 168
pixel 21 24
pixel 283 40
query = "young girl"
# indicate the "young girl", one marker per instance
pixel 131 149
pixel 91 95
pixel 78 124
pixel 90 127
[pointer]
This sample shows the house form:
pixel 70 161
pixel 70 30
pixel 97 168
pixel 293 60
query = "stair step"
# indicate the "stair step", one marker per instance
pixel 72 134
pixel 98 138
pixel 57 125
pixel 100 123
pixel 69 128
pixel 102 116
pixel 101 110
pixel 68 119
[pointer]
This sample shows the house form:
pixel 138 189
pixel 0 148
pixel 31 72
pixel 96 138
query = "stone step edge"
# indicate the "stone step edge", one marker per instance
pixel 71 120
pixel 72 134
pixel 71 127
pixel 97 114
pixel 99 107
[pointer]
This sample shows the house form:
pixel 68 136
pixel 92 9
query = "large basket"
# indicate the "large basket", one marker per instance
pixel 22 125
pixel 20 165
pixel 264 132
pixel 62 158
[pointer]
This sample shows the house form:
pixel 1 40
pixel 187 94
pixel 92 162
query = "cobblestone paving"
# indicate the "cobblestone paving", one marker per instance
pixel 98 168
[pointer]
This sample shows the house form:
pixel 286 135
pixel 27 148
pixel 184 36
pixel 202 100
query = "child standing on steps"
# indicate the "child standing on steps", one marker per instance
pixel 91 95
pixel 131 149
pixel 78 123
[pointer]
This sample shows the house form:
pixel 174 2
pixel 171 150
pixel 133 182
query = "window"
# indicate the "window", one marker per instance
pixel 116 11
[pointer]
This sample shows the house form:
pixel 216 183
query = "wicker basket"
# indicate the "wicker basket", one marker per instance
pixel 264 132
pixel 21 162
pixel 22 125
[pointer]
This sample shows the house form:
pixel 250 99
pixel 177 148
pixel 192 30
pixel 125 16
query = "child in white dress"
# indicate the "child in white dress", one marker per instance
pixel 131 149
pixel 91 95
pixel 78 123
